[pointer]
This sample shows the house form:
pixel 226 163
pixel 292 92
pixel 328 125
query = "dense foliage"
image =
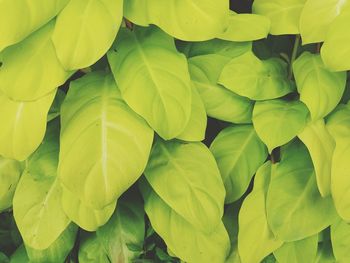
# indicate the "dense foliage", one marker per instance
pixel 174 131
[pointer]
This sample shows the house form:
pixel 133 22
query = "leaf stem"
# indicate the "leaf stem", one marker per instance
pixel 294 55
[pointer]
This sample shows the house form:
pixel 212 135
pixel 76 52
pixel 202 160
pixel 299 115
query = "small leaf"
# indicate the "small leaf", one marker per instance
pixel 239 153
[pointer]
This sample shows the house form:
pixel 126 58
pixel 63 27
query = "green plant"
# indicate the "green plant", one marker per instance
pixel 174 131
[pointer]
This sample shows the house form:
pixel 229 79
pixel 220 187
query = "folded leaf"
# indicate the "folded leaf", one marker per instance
pixel 321 147
pixel 284 14
pixel 219 102
pixel 320 89
pixel 239 153
pixel 253 223
pixel 104 144
pixel 193 190
pixel 153 79
pixel 85 30
pixel 191 20
pixel 256 79
pixel 295 208
pixel 21 17
pixel 277 121
pixel 23 125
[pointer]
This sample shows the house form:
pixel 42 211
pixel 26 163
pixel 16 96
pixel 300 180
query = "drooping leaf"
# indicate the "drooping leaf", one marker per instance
pixel 316 17
pixel 320 89
pixel 37 201
pixel 85 30
pixel 300 251
pixel 253 225
pixel 335 51
pixel 23 125
pixel 194 20
pixel 57 251
pixel 21 17
pixel 219 102
pixel 295 208
pixel 340 236
pixel 10 172
pixel 321 147
pixel 197 124
pixel 246 27
pixel 177 174
pixel 104 145
pixel 277 121
pixel 239 153
pixel 124 230
pixel 184 240
pixel 31 69
pixel 284 14
pixel 256 79
pixel 153 79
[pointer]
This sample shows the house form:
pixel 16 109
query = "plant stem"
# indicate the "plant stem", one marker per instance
pixel 294 55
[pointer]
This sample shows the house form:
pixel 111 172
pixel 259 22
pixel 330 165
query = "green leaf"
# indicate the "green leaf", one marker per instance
pixel 320 89
pixel 126 228
pixel 84 216
pixel 239 153
pixel 104 145
pixel 37 201
pixel 31 69
pixel 177 174
pixel 230 220
pixel 325 253
pixel 246 27
pixel 277 121
pixel 23 126
pixel 197 124
pixel 284 14
pixel 192 20
pixel 58 251
pixel 153 79
pixel 20 255
pixel 338 126
pixel 253 225
pixel 55 109
pixel 295 208
pixel 300 251
pixel 256 79
pixel 219 102
pixel 85 30
pixel 321 147
pixel 91 250
pixel 4 258
pixel 316 17
pixel 10 172
pixel 20 18
pixel 185 240
pixel 335 51
pixel 340 236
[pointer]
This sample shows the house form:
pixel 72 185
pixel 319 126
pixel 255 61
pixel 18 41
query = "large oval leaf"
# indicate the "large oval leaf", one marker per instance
pixel 295 208
pixel 21 17
pixel 335 51
pixel 184 239
pixel 278 121
pixel 219 102
pixel 40 71
pixel 253 221
pixel 284 14
pixel 153 79
pixel 177 174
pixel 85 30
pixel 192 20
pixel 321 147
pixel 320 89
pixel 239 153
pixel 316 17
pixel 104 145
pixel 10 172
pixel 23 125
pixel 37 201
pixel 256 79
